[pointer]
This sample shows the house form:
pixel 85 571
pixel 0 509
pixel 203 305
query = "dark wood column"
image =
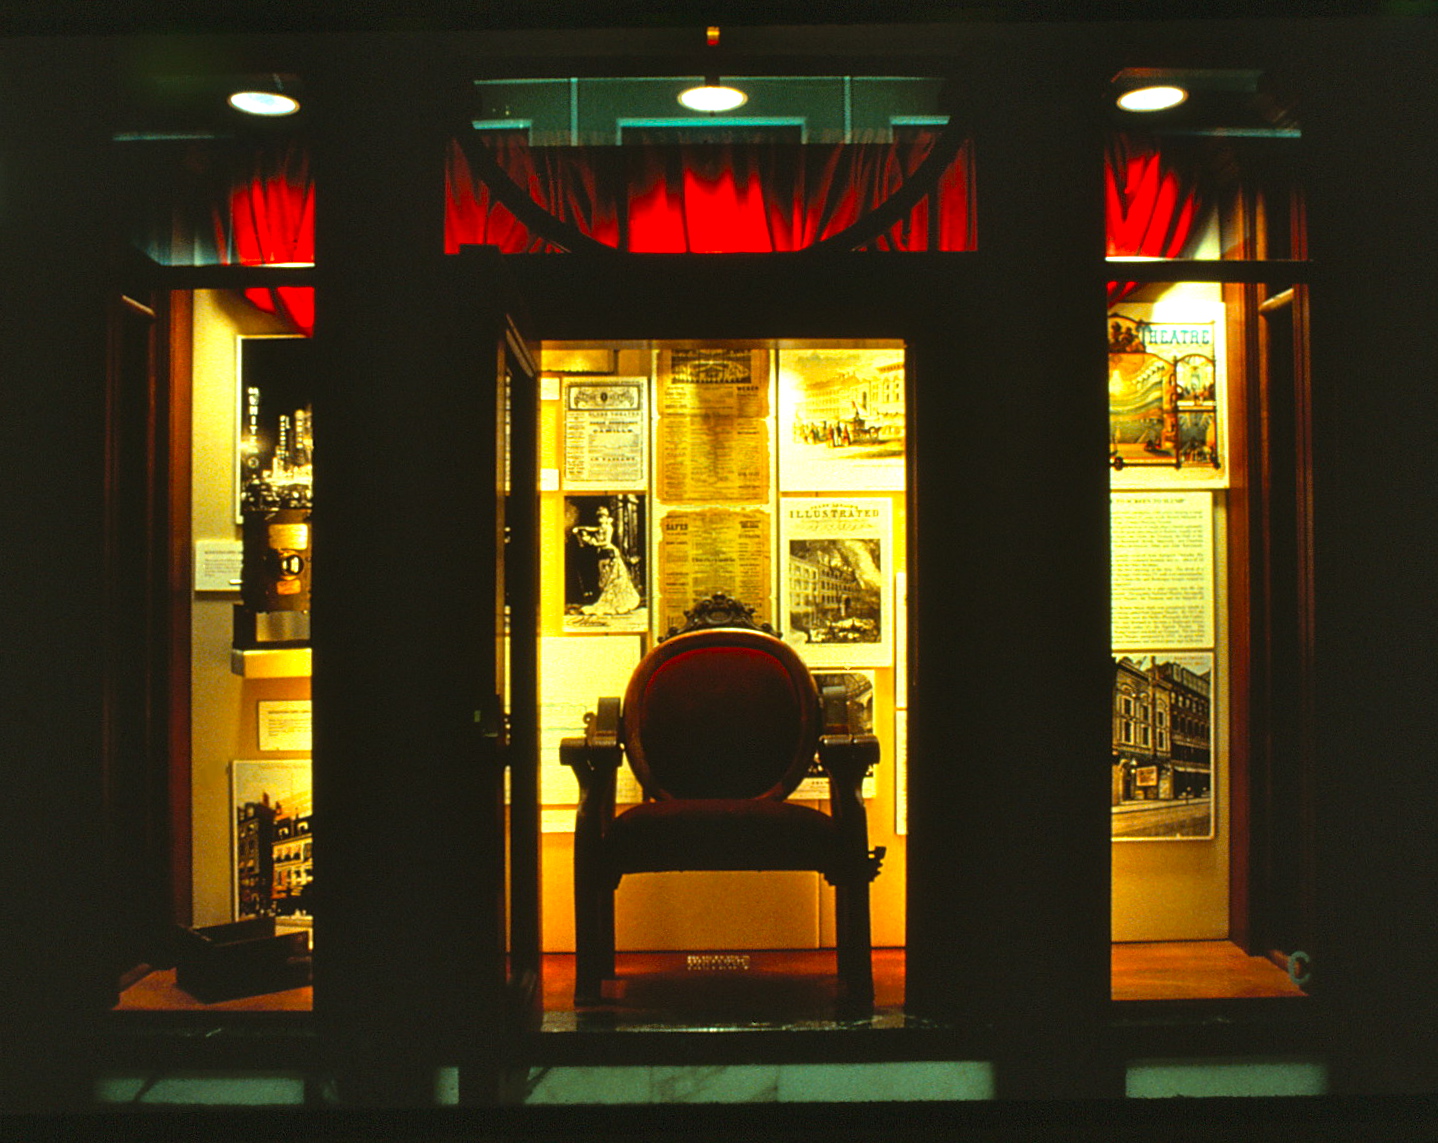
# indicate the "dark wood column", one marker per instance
pixel 1371 91
pixel 55 254
pixel 1009 735
pixel 409 850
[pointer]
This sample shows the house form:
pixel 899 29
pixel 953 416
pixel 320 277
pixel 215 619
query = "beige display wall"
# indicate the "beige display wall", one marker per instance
pixel 224 712
pixel 1161 890
pixel 694 910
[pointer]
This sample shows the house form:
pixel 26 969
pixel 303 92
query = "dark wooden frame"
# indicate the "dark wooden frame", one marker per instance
pixel 1369 279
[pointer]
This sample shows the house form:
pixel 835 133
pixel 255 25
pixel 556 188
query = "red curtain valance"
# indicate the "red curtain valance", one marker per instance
pixel 705 198
pixel 698 199
pixel 1151 202
pixel 270 220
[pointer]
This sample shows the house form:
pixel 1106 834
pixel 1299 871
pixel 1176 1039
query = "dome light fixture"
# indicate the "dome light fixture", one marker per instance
pixel 1157 97
pixel 267 100
pixel 712 96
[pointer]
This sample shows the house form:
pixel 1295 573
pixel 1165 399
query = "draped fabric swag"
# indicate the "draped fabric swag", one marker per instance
pixel 1151 203
pixel 270 220
pixel 700 198
pixel 706 198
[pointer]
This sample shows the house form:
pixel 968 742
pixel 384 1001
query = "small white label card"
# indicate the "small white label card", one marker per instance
pixel 217 565
pixel 284 724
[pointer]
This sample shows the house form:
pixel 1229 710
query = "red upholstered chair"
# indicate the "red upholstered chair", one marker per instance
pixel 720 723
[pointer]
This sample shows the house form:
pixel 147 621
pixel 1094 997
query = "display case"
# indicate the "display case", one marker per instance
pixel 1108 548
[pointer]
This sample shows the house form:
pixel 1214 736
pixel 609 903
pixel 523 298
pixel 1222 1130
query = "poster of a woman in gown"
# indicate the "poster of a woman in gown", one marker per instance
pixel 604 574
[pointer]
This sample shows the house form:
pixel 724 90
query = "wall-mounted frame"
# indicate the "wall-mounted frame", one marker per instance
pixel 271 804
pixel 274 400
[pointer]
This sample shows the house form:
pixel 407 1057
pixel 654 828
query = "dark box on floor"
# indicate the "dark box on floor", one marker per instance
pixel 245 958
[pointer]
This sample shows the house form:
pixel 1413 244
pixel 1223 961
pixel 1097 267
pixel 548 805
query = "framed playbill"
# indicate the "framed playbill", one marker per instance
pixel 1167 391
pixel 837 603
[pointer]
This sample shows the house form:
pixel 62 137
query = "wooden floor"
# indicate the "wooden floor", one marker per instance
pixel 1194 970
pixel 771 989
pixel 787 988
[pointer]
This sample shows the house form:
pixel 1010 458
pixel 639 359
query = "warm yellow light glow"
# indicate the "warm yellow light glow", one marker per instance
pixel 1158 98
pixel 263 103
pixel 712 97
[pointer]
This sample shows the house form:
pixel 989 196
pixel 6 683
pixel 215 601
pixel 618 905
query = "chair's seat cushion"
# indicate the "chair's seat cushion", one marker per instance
pixel 721 833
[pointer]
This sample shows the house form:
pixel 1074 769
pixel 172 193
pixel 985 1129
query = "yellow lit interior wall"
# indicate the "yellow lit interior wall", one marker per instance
pixel 224 717
pixel 1161 890
pixel 732 910
pixel 1178 890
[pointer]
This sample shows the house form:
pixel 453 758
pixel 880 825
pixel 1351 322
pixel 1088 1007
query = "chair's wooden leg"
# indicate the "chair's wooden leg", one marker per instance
pixel 588 936
pixel 855 952
pixel 604 956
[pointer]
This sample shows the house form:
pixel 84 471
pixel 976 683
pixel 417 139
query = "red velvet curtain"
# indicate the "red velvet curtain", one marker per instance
pixel 1151 203
pixel 699 199
pixel 269 220
pixel 706 198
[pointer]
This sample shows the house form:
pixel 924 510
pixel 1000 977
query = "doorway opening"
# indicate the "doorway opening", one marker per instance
pixel 775 472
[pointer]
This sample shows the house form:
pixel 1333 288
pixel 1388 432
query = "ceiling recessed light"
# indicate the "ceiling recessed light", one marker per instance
pixel 264 103
pixel 712 97
pixel 1156 98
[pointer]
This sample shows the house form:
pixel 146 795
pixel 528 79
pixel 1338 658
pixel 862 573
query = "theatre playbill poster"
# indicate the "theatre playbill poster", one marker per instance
pixel 606 432
pixel 273 865
pixel 837 602
pixel 1168 413
pixel 714 382
pixel 706 459
pixel 713 433
pixel 841 420
pixel 706 550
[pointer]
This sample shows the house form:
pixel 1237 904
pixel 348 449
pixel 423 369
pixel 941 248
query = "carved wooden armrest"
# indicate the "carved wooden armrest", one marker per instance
pixel 595 760
pixel 846 758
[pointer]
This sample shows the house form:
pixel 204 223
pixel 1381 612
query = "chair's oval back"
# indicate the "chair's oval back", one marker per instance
pixel 721 713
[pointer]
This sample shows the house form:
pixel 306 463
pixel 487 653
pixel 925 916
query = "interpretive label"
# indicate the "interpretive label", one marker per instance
pixel 284 724
pixel 1162 569
pixel 218 564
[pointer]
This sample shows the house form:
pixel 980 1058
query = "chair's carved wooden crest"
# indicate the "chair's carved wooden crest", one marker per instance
pixel 719 610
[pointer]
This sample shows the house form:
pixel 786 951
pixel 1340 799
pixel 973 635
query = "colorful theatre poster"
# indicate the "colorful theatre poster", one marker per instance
pixel 1168 402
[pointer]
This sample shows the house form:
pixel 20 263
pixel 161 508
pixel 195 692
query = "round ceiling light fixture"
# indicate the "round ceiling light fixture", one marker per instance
pixel 712 96
pixel 1159 97
pixel 270 103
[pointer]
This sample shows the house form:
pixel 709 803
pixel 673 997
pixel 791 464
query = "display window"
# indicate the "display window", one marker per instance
pixel 773 473
pixel 249 789
pixel 1203 378
pixel 566 489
